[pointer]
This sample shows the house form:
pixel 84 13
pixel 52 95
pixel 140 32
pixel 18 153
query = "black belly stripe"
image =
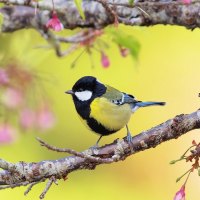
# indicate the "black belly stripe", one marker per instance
pixel 98 128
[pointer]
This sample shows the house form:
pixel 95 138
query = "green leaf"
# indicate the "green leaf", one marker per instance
pixel 79 8
pixel 125 40
pixel 1 21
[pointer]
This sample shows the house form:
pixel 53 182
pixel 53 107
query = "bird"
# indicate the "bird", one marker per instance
pixel 104 109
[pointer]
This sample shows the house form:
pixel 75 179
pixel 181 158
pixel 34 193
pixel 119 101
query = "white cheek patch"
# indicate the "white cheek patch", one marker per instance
pixel 84 95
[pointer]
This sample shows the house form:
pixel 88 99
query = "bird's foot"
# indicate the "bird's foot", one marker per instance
pixel 94 148
pixel 130 141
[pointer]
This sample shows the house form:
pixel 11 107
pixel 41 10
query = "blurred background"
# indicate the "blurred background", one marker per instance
pixel 167 69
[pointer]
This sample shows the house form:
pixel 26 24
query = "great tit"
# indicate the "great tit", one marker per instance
pixel 102 108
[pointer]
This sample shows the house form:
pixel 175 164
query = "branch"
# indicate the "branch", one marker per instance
pixel 22 173
pixel 20 14
pixel 98 15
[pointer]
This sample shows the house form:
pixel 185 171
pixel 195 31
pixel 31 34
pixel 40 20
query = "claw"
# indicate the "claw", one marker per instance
pixel 96 146
pixel 129 139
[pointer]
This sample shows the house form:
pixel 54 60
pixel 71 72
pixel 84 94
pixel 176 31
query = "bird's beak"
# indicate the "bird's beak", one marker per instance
pixel 69 92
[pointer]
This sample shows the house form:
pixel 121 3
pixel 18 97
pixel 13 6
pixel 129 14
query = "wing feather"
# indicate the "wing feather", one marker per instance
pixel 117 97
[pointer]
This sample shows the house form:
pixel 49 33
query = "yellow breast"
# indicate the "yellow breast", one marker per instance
pixel 111 116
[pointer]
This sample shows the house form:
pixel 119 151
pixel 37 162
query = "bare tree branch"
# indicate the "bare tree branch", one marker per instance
pixel 23 173
pixel 98 15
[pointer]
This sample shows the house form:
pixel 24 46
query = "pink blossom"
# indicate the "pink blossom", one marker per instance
pixel 27 118
pixel 54 23
pixel 12 98
pixel 105 60
pixel 186 1
pixel 180 195
pixel 3 77
pixel 45 118
pixel 6 133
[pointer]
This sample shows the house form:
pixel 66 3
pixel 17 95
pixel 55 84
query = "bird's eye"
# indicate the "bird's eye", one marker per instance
pixel 80 90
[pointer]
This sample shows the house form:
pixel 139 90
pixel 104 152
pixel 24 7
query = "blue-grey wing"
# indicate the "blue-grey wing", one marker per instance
pixel 127 98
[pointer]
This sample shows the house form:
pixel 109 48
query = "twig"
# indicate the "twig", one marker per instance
pixel 30 187
pixel 14 185
pixel 144 12
pixel 79 37
pixel 48 185
pixel 109 10
pixel 151 3
pixel 33 184
pixel 73 152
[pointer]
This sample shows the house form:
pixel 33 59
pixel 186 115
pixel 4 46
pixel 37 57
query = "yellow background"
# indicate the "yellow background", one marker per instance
pixel 168 70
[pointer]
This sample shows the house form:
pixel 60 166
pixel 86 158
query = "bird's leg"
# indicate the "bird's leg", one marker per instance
pixel 129 138
pixel 97 143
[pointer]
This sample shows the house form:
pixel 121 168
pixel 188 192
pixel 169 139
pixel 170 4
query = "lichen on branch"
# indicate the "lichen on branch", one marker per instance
pixel 97 15
pixel 23 173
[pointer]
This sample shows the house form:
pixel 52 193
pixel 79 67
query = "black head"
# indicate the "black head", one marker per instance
pixel 86 89
pixel 86 83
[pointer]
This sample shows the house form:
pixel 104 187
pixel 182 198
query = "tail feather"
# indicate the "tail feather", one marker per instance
pixel 149 103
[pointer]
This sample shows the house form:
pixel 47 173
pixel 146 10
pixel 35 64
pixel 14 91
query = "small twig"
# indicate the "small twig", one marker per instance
pixel 33 184
pixel 77 38
pixel 143 11
pixel 66 52
pixel 14 185
pixel 63 150
pixel 188 171
pixel 145 3
pixel 77 58
pixel 183 156
pixel 29 188
pixel 53 40
pixel 75 153
pixel 48 185
pixel 109 10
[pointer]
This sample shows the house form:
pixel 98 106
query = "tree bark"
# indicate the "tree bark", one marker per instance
pixel 23 173
pixel 146 13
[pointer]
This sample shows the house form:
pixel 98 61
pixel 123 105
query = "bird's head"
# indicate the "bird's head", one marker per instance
pixel 86 89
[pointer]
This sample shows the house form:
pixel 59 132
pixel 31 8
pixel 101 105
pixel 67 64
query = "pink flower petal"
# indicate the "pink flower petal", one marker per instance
pixel 54 23
pixel 180 195
pixel 186 1
pixel 27 118
pixel 105 60
pixel 3 77
pixel 12 98
pixel 7 133
pixel 45 119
